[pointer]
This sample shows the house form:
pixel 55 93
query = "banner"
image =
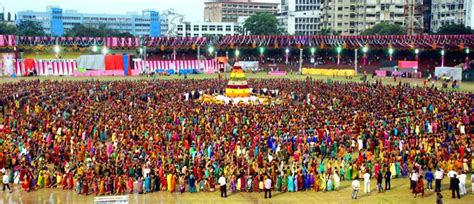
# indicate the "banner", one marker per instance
pixel 328 72
pixel 7 64
pixel 407 64
pixel 452 42
pixel 454 72
pixel 47 67
pixel 381 73
pixel 177 66
pixel 248 65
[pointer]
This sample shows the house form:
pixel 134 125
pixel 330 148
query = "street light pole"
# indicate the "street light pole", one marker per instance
pixel 442 57
pixel 198 52
pixel 355 60
pixel 301 60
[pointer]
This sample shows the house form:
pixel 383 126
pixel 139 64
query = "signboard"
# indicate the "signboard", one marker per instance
pixel 407 64
pixel 248 65
pixel 454 72
pixel 111 199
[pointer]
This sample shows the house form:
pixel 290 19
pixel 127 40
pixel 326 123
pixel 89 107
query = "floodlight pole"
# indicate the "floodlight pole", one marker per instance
pixel 355 60
pixel 198 52
pixel 301 60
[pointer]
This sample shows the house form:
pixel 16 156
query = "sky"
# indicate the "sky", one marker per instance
pixel 192 9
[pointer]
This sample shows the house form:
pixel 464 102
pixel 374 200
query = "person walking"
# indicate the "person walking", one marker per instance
pixel 472 183
pixel 438 177
pixel 462 184
pixel 455 186
pixel 439 198
pixel 6 181
pixel 223 186
pixel 355 188
pixel 420 187
pixel 268 187
pixel 366 182
pixel 413 180
pixel 429 178
pixel 379 181
pixel 451 175
pixel 388 177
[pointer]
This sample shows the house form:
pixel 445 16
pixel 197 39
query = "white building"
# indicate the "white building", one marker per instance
pixel 200 29
pixel 346 17
pixel 174 24
pixel 446 12
pixel 300 17
pixel 470 13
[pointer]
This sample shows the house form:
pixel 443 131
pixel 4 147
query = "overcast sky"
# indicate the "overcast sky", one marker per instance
pixel 192 9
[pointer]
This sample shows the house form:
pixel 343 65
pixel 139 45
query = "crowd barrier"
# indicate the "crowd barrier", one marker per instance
pixel 96 73
pixel 328 72
pixel 277 73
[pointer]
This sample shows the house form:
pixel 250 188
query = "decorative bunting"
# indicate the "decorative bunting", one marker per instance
pixel 347 42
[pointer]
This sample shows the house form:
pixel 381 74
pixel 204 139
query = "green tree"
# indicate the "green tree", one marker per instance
pixel 80 30
pixel 124 35
pixel 455 29
pixel 30 28
pixel 328 31
pixel 8 29
pixel 385 29
pixel 262 24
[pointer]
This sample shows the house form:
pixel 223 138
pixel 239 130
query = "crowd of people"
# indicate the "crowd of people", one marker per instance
pixel 118 137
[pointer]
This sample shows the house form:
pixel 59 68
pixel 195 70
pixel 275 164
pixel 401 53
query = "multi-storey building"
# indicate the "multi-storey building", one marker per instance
pixel 446 12
pixel 56 22
pixel 351 17
pixel 231 10
pixel 200 29
pixel 300 17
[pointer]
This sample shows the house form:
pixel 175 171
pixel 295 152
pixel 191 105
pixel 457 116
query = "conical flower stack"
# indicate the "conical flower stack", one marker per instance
pixel 237 86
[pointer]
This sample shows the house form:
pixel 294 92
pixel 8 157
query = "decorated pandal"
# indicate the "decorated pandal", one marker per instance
pixel 238 92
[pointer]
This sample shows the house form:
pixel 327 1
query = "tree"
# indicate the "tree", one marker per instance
pixel 385 29
pixel 8 29
pixel 262 24
pixel 80 30
pixel 30 28
pixel 455 29
pixel 328 31
pixel 123 35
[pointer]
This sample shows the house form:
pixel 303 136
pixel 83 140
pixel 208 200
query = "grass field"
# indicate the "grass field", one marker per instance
pixel 465 86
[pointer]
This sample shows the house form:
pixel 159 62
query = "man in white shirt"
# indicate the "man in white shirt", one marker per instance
pixel 6 181
pixel 355 188
pixel 438 177
pixel 413 179
pixel 462 183
pixel 223 183
pixel 451 175
pixel 268 187
pixel 366 182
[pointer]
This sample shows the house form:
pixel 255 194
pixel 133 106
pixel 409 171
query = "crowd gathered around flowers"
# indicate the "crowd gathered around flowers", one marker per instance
pixel 145 136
